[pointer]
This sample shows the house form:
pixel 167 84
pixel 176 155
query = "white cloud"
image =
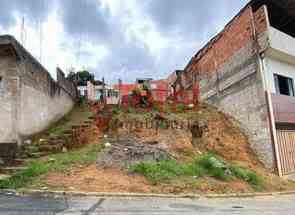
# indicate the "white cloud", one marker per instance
pixel 123 39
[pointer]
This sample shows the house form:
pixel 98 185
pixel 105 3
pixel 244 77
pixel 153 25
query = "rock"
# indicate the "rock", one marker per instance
pixel 64 150
pixel 51 160
pixel 37 154
pixel 44 188
pixel 191 106
pixel 28 142
pixel 107 145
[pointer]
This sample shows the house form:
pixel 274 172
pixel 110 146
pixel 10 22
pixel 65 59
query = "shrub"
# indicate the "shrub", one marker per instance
pixel 216 167
pixel 116 111
pixel 246 175
pixel 131 110
pixel 213 166
pixel 180 108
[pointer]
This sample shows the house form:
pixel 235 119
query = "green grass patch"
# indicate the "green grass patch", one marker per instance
pixel 205 165
pixel 165 170
pixel 247 175
pixel 58 162
pixel 213 166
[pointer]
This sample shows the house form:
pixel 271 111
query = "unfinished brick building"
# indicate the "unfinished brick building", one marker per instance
pixel 247 72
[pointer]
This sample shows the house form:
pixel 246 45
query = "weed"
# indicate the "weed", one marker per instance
pixel 246 175
pixel 180 108
pixel 213 166
pixel 218 168
pixel 131 110
pixel 148 116
pixel 207 164
pixel 116 111
pixel 162 124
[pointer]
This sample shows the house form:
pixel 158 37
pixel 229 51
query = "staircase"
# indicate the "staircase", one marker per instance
pixel 75 137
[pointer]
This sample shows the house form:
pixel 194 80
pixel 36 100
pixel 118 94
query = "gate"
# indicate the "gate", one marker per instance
pixel 286 146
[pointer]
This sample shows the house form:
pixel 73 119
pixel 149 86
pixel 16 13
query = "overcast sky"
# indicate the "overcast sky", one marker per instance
pixel 117 38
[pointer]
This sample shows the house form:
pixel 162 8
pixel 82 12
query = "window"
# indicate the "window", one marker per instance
pixel 284 85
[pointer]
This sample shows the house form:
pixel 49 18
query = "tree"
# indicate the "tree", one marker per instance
pixel 81 78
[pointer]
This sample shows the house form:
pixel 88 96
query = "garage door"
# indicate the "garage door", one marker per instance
pixel 286 146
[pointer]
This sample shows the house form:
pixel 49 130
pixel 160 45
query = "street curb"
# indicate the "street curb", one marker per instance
pixel 141 195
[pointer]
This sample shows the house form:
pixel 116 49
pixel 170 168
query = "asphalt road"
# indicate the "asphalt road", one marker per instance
pixel 36 204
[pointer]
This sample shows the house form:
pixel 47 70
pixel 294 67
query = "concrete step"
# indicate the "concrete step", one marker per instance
pixel 75 127
pixel 69 131
pixel 14 168
pixel 38 154
pixel 4 177
pixel 51 148
pixel 20 160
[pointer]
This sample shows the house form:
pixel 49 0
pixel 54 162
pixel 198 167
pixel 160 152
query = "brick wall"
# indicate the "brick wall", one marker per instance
pixel 232 39
pixel 229 76
pixel 260 20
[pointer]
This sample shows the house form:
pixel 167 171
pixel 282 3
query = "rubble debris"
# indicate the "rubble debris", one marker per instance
pixel 128 150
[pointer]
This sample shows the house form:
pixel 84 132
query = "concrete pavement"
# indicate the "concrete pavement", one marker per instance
pixel 36 204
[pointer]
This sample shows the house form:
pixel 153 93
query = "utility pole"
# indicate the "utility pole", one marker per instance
pixel 40 31
pixel 22 32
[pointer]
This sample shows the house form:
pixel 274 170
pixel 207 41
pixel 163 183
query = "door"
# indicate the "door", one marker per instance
pixel 286 146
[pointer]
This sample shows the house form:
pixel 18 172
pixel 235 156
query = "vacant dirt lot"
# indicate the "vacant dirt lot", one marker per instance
pixel 219 136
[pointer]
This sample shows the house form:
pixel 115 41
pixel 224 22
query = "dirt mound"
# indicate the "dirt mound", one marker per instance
pixel 224 138
pixel 127 149
pixel 220 136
